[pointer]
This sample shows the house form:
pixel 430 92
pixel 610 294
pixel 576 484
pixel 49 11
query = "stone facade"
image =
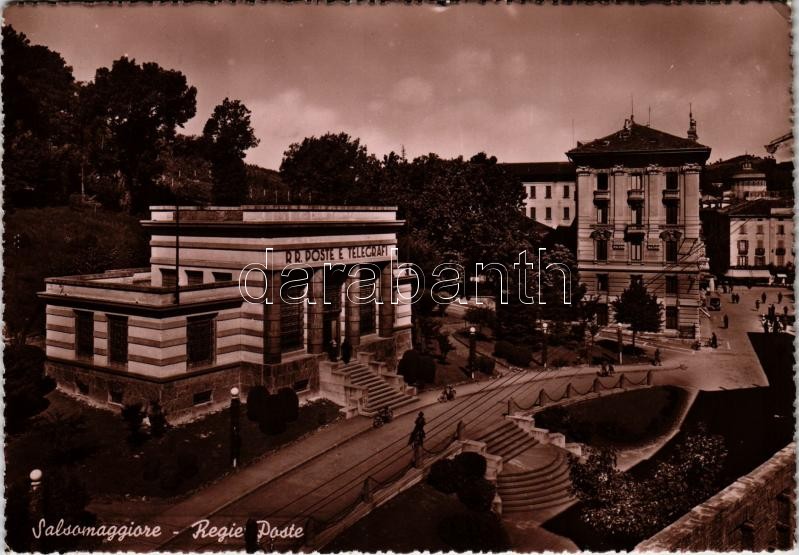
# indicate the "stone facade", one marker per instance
pixel 638 219
pixel 755 513
pixel 189 328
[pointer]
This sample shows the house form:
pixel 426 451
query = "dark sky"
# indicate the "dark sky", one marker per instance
pixel 508 80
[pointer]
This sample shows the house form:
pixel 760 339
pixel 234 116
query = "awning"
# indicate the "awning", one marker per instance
pixel 743 273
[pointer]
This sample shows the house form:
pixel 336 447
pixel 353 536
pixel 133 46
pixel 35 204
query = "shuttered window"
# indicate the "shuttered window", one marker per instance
pixel 84 333
pixel 200 339
pixel 118 339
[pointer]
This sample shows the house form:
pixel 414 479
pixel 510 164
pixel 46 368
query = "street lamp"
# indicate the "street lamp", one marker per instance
pixel 235 435
pixel 472 349
pixel 545 326
pixel 619 340
pixel 35 502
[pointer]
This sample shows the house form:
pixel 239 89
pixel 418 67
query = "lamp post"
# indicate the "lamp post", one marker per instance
pixel 619 341
pixel 545 326
pixel 35 504
pixel 235 435
pixel 472 349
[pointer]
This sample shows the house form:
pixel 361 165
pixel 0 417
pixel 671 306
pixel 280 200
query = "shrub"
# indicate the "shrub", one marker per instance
pixel 502 349
pixel 134 415
pixel 481 316
pixel 470 465
pixel 158 423
pixel 256 402
pixel 427 369
pixel 485 365
pixel 477 494
pixel 289 404
pixel 25 385
pixel 520 356
pixel 409 366
pixel 273 419
pixel 444 476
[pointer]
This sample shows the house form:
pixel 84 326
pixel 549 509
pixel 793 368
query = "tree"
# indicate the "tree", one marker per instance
pixel 39 103
pixel 135 110
pixel 638 308
pixel 228 133
pixel 331 169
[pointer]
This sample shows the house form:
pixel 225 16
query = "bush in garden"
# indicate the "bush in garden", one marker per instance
pixel 25 385
pixel 477 494
pixel 289 404
pixel 485 365
pixel 409 366
pixel 256 402
pixel 273 420
pixel 427 369
pixel 502 349
pixel 519 356
pixel 470 465
pixel 133 415
pixel 444 476
pixel 158 423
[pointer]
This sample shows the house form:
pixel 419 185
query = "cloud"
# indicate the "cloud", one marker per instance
pixel 413 90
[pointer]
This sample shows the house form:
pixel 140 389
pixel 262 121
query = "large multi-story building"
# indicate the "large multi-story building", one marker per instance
pixel 638 219
pixel 550 189
pixel 183 333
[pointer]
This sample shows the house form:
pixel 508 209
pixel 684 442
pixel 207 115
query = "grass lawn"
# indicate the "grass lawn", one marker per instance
pixel 94 444
pixel 622 420
pixel 412 522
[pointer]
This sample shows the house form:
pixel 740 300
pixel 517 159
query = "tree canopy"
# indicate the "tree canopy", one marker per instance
pixel 638 308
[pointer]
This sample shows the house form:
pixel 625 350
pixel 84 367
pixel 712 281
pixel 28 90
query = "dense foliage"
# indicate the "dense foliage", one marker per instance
pixel 638 308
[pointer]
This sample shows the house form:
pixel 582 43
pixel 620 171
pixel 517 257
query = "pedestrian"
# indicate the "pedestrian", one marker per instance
pixel 777 326
pixel 603 370
pixel 657 358
pixel 731 288
pixel 333 352
pixel 779 297
pixel 785 310
pixel 765 325
pixel 714 342
pixel 726 322
pixel 418 433
pixel 772 311
pixel 757 304
pixel 611 370
pixel 763 297
pixel 346 351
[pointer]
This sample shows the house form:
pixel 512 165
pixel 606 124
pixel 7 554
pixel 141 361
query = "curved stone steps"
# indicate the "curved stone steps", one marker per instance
pixel 542 488
pixel 507 441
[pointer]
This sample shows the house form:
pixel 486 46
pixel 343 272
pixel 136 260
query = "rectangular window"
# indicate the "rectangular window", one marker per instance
pixel 672 214
pixel 602 214
pixel 565 212
pixel 532 213
pixel 638 215
pixel 222 276
pixel 202 397
pixel 780 260
pixel 602 182
pixel 760 229
pixel 565 191
pixel 781 229
pixel 169 278
pixel 531 194
pixel 201 339
pixel 743 260
pixel 601 249
pixel 671 285
pixel 742 229
pixel 194 277
pixel 368 310
pixel 548 213
pixel 672 317
pixel 548 191
pixel 743 247
pixel 671 251
pixel 635 251
pixel 672 181
pixel 760 260
pixel 117 339
pixel 602 282
pixel 291 319
pixel 636 181
pixel 84 333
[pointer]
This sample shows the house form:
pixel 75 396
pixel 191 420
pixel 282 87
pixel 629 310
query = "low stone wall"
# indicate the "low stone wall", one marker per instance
pixel 755 513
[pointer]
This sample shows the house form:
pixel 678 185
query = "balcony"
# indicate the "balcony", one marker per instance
pixel 671 195
pixel 601 196
pixel 634 230
pixel 635 196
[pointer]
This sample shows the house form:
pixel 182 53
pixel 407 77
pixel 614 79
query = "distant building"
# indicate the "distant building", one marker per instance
pixel 751 240
pixel 550 189
pixel 749 183
pixel 781 147
pixel 638 219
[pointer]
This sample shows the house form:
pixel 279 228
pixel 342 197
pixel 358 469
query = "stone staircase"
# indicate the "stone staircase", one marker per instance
pixel 380 393
pixel 543 489
pixel 507 441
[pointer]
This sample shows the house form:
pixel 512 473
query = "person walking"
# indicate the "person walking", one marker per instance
pixel 603 369
pixel 785 310
pixel 611 370
pixel 726 322
pixel 779 297
pixel 757 304
pixel 657 358
pixel 418 433
pixel 763 297
pixel 714 342
pixel 333 350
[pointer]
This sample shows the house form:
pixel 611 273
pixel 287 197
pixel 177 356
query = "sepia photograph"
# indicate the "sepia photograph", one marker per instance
pixel 398 277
